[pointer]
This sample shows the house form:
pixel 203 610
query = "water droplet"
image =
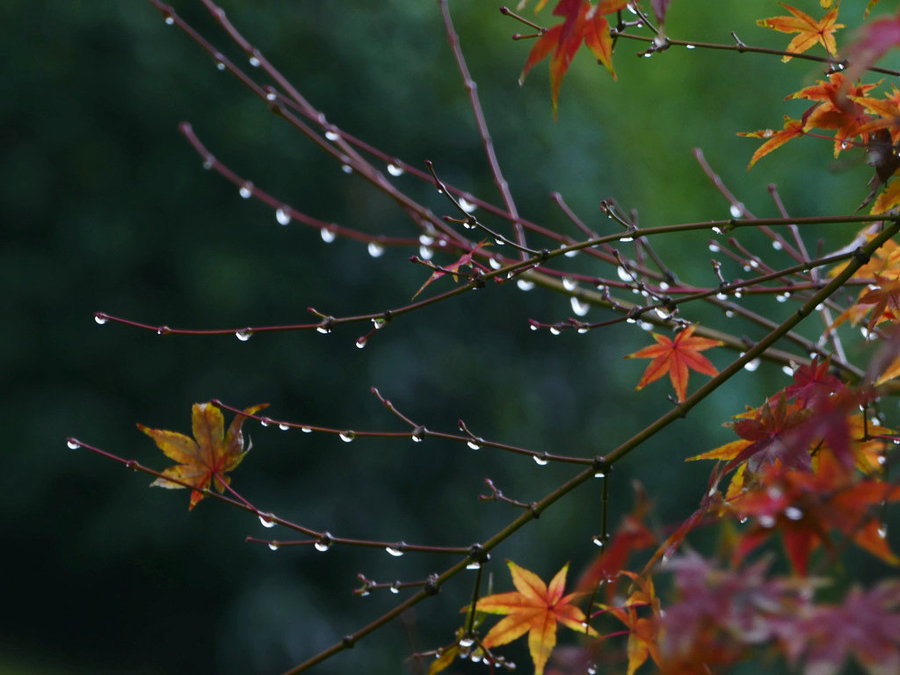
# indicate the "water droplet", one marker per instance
pixel 395 587
pixel 283 426
pixel 626 239
pixel 271 96
pixel 777 245
pixel 533 326
pixel 254 60
pixel 347 436
pixel 598 541
pixel 752 365
pixel 541 460
pixel 425 253
pixel 499 242
pixel 361 342
pixel 793 513
pixel 820 307
pixel 729 314
pixel 170 20
pixel 265 421
pixel 742 520
pixel 882 531
pixel 306 430
pixel 717 230
pixel 495 264
pixel 100 319
pixel 474 565
pixel 395 170
pixel 766 521
pixel 379 322
pixel 273 546
pixel 396 550
pixel 787 370
pixel 246 190
pixel 782 297
pixel 418 434
pixel 554 330
pixel 599 474
pixel 715 248
pixel 324 542
pixel 524 284
pixel 579 308
pixel 721 296
pixel 332 135
pixel 267 520
pixel 736 210
pixel 686 47
pixel 209 162
pixel 466 205
pixel 327 235
pixel 346 168
pixel 72 444
pixel 163 330
pixel 466 642
pixel 282 216
pixel 569 284
pixel 473 445
pixel 244 334
pixel 220 65
pixel 376 250
pixel 623 274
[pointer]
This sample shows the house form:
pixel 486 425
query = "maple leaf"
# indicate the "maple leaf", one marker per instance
pixel 885 301
pixel 536 609
pixel 643 632
pixel 812 381
pixel 873 41
pixel 206 458
pixel 676 357
pixel 582 23
pixel 836 109
pixel 768 432
pixel 863 625
pixel 809 30
pixel 452 269
pixel 721 612
pixel 803 507
pixel 774 139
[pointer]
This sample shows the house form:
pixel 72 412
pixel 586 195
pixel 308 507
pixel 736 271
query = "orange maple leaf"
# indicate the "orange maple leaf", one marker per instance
pixel 774 139
pixel 809 30
pixel 536 609
pixel 207 459
pixel 676 357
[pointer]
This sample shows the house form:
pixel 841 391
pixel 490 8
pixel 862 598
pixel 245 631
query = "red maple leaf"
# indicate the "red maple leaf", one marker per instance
pixel 465 260
pixel 677 358
pixel 804 507
pixel 582 23
pixel 866 625
pixel 813 380
pixel 205 459
pixel 768 433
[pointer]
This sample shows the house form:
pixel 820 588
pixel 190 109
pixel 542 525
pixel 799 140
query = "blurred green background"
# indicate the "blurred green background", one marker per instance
pixel 106 207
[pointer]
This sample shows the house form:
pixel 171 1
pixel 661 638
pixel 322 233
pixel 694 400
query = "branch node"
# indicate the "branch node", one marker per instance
pixel 432 585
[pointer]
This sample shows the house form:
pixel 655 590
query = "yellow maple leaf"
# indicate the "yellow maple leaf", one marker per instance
pixel 205 459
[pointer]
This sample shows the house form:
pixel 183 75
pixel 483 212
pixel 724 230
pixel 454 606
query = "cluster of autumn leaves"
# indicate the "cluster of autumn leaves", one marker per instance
pixel 807 467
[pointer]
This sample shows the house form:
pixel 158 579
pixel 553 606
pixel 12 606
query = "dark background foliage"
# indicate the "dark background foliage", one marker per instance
pixel 105 207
